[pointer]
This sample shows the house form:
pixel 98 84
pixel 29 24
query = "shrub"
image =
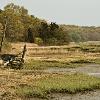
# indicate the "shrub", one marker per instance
pixel 38 41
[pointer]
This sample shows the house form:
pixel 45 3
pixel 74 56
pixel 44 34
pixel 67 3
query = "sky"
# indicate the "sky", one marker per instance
pixel 73 12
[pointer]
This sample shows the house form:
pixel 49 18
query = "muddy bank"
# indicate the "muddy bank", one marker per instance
pixel 90 69
pixel 92 95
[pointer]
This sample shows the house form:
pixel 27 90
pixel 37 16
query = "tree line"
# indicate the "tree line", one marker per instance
pixel 22 27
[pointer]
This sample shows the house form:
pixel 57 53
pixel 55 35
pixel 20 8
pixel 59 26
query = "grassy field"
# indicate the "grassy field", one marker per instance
pixel 57 83
pixel 23 84
pixel 32 81
pixel 41 65
pixel 62 56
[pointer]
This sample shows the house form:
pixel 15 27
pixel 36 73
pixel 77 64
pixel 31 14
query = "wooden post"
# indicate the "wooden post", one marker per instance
pixel 1 44
pixel 24 51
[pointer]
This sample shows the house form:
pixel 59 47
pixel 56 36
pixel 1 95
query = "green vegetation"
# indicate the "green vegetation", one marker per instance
pixel 39 65
pixel 73 50
pixel 36 64
pixel 58 83
pixel 33 81
pixel 22 27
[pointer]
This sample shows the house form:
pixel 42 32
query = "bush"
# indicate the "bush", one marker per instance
pixel 6 47
pixel 75 37
pixel 52 41
pixel 38 41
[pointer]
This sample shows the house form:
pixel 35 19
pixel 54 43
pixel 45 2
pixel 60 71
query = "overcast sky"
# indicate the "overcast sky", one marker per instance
pixel 77 12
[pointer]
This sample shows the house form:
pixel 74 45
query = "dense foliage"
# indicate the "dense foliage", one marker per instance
pixel 27 28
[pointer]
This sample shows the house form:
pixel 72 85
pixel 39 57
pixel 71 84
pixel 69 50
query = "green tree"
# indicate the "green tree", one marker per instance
pixel 15 27
pixel 75 37
pixel 44 32
pixel 31 37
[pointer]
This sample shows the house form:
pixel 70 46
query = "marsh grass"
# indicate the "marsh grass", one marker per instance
pixel 40 65
pixel 84 47
pixel 59 83
pixel 81 61
pixel 64 56
pixel 36 64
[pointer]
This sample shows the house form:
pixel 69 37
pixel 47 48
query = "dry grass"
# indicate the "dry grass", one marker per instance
pixel 24 84
pixel 10 80
pixel 19 84
pixel 65 53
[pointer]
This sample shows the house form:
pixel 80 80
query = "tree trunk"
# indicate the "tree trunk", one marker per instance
pixel 2 40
